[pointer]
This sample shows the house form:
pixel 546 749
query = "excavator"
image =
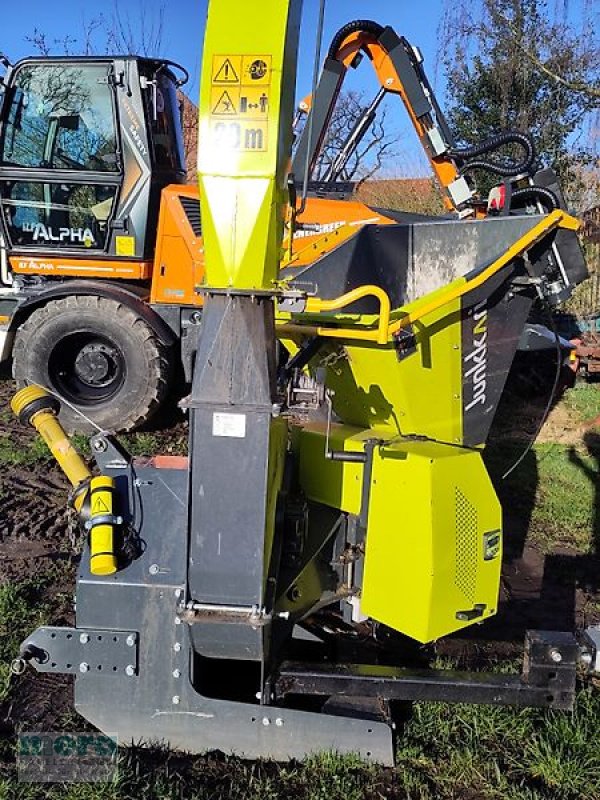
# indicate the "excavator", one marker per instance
pixel 276 591
pixel 101 247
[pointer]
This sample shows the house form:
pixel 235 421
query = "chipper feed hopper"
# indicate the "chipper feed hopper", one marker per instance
pixel 261 595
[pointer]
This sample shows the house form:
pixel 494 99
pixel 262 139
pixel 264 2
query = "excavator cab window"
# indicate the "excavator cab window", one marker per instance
pixel 59 158
pixel 61 117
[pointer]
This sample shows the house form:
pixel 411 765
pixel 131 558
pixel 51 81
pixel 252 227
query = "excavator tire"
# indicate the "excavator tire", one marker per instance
pixel 99 357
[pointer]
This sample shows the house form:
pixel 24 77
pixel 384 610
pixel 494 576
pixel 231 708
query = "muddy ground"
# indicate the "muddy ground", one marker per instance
pixel 39 543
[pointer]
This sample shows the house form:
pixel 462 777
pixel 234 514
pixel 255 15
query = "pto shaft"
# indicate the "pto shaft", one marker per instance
pixel 93 497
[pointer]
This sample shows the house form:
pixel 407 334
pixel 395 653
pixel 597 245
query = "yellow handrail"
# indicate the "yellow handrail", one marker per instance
pixel 316 305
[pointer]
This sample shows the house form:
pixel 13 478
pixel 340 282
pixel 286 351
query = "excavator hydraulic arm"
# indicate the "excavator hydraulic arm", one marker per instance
pixel 399 69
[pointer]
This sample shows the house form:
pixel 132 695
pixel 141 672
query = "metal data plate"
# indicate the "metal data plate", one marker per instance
pixel 84 651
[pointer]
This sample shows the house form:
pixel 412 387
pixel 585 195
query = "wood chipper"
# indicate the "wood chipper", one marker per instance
pixel 261 595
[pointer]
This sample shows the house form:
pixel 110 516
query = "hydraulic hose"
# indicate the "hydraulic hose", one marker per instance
pixel 471 155
pixel 358 25
pixel 538 193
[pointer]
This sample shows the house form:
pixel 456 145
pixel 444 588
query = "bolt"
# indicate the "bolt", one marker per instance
pixel 279 722
pixel 266 721
pixel 556 655
pixel 153 569
pixel 100 445
pixel 176 700
pixel 130 670
pixel 84 638
pixel 389 81
pixel 83 667
pixel 130 640
pixel 177 673
pixel 177 647
pixel 284 615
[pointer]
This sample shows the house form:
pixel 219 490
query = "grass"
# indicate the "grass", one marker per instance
pixel 444 752
pixel 583 401
pixel 21 609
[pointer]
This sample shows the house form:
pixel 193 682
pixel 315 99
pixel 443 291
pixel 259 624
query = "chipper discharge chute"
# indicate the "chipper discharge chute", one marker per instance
pixel 334 510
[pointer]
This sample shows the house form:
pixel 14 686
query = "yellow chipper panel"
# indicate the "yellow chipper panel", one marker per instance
pixel 434 540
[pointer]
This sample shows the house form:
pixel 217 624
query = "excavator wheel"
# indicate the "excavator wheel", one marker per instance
pixel 100 357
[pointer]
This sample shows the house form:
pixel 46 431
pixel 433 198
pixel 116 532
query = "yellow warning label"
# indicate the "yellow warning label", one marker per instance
pixel 224 102
pixel 240 102
pixel 125 245
pixel 254 102
pixel 243 102
pixel 226 70
pixel 256 70
pixel 99 506
pixel 242 136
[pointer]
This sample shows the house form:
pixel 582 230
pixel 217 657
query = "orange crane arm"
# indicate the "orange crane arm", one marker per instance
pixel 398 67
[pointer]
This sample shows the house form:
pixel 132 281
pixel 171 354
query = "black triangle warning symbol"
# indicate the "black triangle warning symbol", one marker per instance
pixel 224 105
pixel 99 506
pixel 226 73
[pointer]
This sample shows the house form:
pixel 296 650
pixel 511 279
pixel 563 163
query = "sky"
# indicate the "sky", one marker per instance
pixel 184 22
pixel 418 20
pixel 183 34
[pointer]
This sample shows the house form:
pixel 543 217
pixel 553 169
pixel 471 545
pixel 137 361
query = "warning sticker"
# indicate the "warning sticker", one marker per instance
pixel 223 104
pixel 251 136
pixel 125 245
pixel 256 70
pixel 254 103
pixel 243 102
pixel 240 102
pixel 99 506
pixel 226 70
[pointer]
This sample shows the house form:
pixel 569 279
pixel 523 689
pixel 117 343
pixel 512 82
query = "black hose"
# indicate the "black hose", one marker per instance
pixel 504 168
pixel 540 193
pixel 365 25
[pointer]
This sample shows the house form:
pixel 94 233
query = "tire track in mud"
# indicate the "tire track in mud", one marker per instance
pixel 34 522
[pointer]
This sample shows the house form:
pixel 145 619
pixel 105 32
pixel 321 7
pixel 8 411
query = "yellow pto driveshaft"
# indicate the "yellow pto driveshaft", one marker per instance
pixel 92 497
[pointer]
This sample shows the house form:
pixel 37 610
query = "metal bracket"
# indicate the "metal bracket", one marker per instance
pixel 82 651
pixel 591 649
pixel 548 679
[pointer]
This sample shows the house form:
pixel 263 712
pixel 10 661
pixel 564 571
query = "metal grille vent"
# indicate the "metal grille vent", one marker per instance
pixel 191 206
pixel 466 546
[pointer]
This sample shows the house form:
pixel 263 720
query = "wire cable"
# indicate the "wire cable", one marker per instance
pixel 550 398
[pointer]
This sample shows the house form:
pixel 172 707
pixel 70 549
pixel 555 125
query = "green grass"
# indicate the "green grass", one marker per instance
pixel 583 401
pixel 21 610
pixel 492 752
pixel 24 453
pixel 444 752
pixel 554 492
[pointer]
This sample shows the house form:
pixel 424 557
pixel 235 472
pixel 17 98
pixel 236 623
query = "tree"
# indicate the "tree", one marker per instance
pixel 510 65
pixel 369 157
pixel 116 32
